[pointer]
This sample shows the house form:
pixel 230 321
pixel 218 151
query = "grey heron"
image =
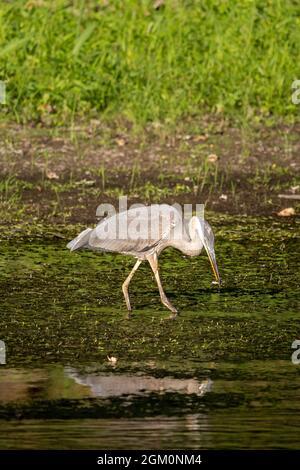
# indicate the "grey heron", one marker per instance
pixel 144 232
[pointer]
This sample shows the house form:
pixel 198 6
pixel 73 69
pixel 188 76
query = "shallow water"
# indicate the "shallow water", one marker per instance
pixel 219 376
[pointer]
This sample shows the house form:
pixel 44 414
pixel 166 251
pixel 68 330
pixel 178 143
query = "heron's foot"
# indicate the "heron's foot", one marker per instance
pixel 169 305
pixel 173 316
pixel 129 309
pixel 173 309
pixel 129 314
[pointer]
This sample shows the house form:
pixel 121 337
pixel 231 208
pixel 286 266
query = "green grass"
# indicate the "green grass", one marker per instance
pixel 63 60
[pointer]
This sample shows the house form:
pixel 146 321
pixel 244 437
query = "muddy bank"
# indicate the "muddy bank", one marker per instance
pixel 61 175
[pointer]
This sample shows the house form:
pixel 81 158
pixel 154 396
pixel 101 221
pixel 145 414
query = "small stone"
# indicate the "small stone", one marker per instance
pixel 51 175
pixel 200 138
pixel 294 189
pixel 287 212
pixel 212 158
pixel 120 142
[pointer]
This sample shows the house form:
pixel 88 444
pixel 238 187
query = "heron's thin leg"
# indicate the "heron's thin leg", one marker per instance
pixel 153 261
pixel 127 282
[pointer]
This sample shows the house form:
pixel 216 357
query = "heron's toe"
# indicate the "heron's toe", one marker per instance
pixel 173 316
pixel 173 309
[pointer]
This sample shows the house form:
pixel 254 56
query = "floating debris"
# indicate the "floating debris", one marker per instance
pixel 112 359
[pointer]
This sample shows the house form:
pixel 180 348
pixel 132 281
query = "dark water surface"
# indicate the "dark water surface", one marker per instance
pixel 219 376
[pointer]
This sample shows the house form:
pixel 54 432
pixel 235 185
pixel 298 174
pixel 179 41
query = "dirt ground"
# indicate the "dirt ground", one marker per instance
pixel 61 175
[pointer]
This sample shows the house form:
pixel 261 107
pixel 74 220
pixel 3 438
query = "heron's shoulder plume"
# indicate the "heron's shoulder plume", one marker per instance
pixel 81 241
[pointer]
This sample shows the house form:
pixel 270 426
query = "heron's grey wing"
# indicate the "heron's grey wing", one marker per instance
pixel 134 231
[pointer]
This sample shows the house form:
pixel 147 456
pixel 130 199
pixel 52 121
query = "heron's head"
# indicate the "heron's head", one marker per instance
pixel 205 233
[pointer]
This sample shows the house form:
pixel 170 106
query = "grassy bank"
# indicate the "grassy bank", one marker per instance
pixel 61 60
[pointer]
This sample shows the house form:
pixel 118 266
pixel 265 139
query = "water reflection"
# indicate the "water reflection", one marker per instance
pixel 251 404
pixel 117 385
pixel 189 432
pixel 58 382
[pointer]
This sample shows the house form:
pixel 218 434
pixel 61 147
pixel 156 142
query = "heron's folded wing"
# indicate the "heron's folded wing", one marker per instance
pixel 134 231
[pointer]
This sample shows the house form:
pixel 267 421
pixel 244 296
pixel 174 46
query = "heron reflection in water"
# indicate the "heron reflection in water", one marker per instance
pixel 110 385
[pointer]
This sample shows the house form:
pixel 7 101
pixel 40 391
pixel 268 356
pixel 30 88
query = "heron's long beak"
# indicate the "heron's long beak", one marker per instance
pixel 209 250
pixel 213 262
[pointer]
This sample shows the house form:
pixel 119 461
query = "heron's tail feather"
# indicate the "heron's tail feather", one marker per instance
pixel 80 241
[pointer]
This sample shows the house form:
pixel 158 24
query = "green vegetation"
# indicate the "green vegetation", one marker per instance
pixel 122 58
pixel 76 310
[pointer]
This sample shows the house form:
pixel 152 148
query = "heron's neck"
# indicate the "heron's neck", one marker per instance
pixel 188 247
